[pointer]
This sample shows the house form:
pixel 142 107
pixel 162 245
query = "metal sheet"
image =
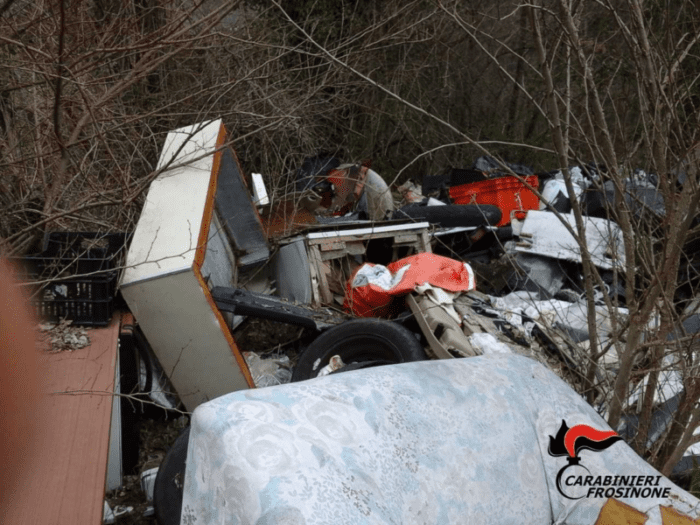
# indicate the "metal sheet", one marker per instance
pixel 238 215
pixel 292 273
pixel 544 234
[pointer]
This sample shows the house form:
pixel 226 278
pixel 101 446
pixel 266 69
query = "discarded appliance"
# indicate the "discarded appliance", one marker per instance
pixel 198 214
pixel 491 439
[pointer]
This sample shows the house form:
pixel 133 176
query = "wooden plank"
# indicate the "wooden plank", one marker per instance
pixel 64 483
pixel 406 239
pixel 332 246
pixel 352 248
pixel 316 260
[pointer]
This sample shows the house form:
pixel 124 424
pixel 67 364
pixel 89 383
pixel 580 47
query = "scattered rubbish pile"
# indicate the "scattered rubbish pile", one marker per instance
pixel 482 260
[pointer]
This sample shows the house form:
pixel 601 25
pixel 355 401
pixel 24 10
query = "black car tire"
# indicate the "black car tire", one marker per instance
pixel 357 341
pixel 452 215
pixel 167 490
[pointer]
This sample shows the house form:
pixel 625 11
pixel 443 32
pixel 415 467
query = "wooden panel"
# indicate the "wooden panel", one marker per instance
pixel 615 512
pixel 65 482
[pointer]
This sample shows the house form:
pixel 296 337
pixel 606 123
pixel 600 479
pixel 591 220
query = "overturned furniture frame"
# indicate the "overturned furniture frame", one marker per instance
pixel 197 230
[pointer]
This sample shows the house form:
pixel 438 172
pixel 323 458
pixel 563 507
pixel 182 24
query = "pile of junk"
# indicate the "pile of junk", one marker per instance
pixel 339 272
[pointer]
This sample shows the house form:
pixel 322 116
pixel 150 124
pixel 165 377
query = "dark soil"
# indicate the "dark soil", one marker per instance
pixel 156 437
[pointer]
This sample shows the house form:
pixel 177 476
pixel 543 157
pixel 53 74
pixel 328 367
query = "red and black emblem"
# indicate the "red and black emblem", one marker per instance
pixel 570 442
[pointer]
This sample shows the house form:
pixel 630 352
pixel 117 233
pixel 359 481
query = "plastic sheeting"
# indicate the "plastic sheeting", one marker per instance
pixel 449 441
pixel 372 289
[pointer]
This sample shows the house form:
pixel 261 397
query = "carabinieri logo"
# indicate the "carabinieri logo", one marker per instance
pixel 570 442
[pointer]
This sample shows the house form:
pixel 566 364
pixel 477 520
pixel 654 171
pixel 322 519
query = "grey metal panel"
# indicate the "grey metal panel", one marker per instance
pixel 544 234
pixel 292 272
pixel 219 265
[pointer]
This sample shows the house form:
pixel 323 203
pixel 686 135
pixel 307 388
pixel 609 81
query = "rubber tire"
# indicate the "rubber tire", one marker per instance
pixel 167 490
pixel 359 340
pixel 452 215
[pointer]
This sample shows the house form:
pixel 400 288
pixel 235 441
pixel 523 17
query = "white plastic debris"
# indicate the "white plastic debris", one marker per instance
pixel 107 514
pixel 378 275
pixel 148 482
pixel 335 363
pixel 488 344
pixel 268 372
pixel 260 197
pixel 110 516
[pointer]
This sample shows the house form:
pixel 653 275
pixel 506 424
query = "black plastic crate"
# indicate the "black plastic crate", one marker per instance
pixel 78 253
pixel 83 313
pixel 76 276
pixel 459 176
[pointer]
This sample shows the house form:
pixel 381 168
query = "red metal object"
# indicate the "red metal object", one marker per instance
pixel 349 182
pixel 508 193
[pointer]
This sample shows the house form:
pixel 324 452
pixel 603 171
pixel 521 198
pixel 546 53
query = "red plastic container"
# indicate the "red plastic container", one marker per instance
pixel 508 193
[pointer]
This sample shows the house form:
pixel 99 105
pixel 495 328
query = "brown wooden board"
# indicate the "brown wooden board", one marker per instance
pixel 64 481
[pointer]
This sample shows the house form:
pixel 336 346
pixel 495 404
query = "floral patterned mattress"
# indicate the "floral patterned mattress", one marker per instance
pixel 490 439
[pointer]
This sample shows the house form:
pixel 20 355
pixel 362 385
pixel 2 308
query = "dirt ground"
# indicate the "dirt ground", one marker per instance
pixel 155 438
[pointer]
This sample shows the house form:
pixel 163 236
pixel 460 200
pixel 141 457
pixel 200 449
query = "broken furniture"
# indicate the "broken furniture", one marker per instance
pixel 78 444
pixel 450 441
pixel 198 229
pixel 313 268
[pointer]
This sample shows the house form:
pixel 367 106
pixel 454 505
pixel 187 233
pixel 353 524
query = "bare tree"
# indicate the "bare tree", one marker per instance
pixel 89 91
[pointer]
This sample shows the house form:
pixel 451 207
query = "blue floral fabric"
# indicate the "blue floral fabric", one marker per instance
pixel 438 442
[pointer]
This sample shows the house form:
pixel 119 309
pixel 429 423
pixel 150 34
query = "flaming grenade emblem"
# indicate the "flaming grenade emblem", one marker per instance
pixel 570 442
